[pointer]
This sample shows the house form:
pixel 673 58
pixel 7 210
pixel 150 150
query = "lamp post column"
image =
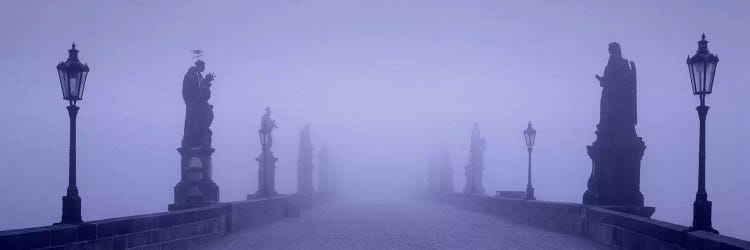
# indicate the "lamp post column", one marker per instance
pixel 529 188
pixel 71 201
pixel 702 206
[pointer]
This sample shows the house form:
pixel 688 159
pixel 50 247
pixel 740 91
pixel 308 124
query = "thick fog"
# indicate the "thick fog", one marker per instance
pixel 381 83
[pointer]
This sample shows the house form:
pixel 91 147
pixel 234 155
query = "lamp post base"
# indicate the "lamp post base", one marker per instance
pixel 702 215
pixel 71 210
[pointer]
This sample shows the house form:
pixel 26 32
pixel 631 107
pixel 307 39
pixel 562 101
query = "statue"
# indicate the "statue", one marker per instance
pixel 266 160
pixel 304 162
pixel 266 127
pixel 196 188
pixel 473 170
pixel 617 152
pixel 196 90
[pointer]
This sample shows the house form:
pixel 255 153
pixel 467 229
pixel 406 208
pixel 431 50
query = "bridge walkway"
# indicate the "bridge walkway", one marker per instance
pixel 397 224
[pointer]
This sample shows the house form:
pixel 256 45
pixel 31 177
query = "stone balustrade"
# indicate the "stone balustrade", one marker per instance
pixel 183 229
pixel 614 229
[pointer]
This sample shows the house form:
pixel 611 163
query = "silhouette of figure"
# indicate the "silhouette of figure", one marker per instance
pixel 266 127
pixel 196 90
pixel 618 102
pixel 617 151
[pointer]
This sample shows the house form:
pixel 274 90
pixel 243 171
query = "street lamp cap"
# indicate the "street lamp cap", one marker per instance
pixel 703 44
pixel 73 53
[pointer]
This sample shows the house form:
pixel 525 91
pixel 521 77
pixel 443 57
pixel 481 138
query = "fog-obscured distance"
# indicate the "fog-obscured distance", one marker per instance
pixel 380 83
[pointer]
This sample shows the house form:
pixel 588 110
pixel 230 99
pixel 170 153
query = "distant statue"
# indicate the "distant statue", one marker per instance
pixel 196 90
pixel 473 170
pixel 305 162
pixel 266 160
pixel 266 127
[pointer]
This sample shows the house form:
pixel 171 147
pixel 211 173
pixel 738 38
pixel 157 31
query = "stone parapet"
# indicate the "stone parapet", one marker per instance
pixel 612 228
pixel 183 229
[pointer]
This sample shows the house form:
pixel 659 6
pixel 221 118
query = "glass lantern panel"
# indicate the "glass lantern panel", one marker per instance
pixel 526 137
pixel 63 83
pixel 710 73
pixel 84 74
pixel 699 74
pixel 74 86
pixel 533 137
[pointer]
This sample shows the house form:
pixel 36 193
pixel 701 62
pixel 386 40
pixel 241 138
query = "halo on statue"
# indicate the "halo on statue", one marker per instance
pixel 198 53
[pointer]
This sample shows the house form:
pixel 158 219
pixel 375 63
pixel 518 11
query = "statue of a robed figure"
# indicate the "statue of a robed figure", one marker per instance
pixel 305 162
pixel 473 170
pixel 266 160
pixel 616 154
pixel 196 188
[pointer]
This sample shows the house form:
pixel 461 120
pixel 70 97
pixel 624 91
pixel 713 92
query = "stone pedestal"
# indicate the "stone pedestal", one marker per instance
pixel 196 188
pixel 615 180
pixel 266 176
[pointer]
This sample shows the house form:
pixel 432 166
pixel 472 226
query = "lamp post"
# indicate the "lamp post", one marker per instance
pixel 72 75
pixel 530 135
pixel 702 68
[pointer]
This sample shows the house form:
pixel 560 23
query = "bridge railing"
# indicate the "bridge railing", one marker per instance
pixel 612 228
pixel 181 229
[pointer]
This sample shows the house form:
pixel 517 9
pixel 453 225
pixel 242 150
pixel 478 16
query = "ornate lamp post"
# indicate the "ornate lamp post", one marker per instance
pixel 702 68
pixel 72 80
pixel 530 135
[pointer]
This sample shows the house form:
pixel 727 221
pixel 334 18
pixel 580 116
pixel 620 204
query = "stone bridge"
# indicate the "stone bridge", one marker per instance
pixel 421 221
pixel 612 215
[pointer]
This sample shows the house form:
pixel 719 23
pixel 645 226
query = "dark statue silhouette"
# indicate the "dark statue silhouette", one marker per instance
pixel 196 90
pixel 196 188
pixel 473 170
pixel 616 154
pixel 305 162
pixel 266 160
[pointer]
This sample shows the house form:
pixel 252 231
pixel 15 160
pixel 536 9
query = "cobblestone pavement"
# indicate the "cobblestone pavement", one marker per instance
pixel 387 224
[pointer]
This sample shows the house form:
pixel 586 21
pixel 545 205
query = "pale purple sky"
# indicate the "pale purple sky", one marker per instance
pixel 381 82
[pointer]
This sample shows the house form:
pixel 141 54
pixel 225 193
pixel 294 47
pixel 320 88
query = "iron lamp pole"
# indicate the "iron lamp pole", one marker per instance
pixel 72 75
pixel 702 68
pixel 529 135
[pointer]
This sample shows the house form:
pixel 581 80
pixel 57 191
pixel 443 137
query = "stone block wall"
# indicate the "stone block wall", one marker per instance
pixel 614 229
pixel 182 229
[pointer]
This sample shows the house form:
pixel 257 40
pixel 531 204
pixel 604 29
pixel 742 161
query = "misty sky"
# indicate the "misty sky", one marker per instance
pixel 380 82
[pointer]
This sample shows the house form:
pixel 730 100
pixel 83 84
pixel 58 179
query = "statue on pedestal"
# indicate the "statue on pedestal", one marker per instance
pixel 616 154
pixel 266 160
pixel 196 188
pixel 473 170
pixel 304 162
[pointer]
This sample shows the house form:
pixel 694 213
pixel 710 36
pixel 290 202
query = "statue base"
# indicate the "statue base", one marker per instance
pixel 194 195
pixel 195 189
pixel 266 176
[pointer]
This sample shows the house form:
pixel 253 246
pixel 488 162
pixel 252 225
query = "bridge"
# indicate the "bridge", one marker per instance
pixel 397 55
pixel 432 216
pixel 420 221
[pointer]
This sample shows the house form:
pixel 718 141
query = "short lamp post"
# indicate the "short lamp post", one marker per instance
pixel 72 75
pixel 530 135
pixel 702 68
